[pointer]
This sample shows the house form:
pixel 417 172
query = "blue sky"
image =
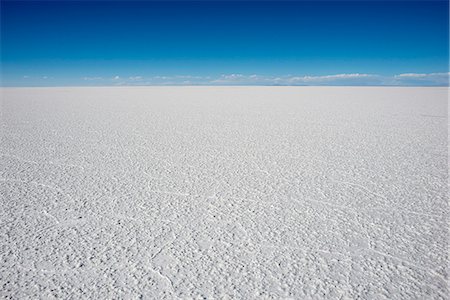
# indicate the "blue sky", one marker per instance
pixel 211 42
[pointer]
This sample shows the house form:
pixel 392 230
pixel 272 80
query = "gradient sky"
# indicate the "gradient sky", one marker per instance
pixel 211 42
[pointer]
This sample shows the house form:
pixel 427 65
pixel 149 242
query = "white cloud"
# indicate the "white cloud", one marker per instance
pixel 341 76
pixel 187 77
pixel 422 75
pixel 26 76
pixel 410 75
pixel 233 76
pixel 241 79
pixel 161 77
pixel 254 79
pixel 343 79
pixel 408 79
pixel 328 78
pixel 422 78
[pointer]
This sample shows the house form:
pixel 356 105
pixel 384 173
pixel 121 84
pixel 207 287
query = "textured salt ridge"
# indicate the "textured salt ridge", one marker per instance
pixel 209 192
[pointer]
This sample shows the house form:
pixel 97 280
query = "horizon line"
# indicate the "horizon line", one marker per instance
pixel 211 85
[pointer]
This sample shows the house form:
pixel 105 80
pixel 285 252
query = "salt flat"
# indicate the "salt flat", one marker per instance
pixel 224 192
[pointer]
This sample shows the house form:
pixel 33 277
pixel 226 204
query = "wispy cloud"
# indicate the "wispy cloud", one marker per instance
pixel 135 78
pixel 360 79
pixel 422 78
pixel 241 79
pixel 161 80
pixel 331 77
pixel 411 75
pixel 343 79
pixel 335 79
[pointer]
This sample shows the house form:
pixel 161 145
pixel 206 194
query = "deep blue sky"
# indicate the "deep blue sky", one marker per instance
pixel 102 43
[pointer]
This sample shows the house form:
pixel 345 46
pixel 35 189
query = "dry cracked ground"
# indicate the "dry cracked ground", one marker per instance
pixel 224 193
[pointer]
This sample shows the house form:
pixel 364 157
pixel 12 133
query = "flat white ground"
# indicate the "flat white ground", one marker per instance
pixel 224 192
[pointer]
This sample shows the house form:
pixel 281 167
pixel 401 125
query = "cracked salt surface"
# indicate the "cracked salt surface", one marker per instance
pixel 224 192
